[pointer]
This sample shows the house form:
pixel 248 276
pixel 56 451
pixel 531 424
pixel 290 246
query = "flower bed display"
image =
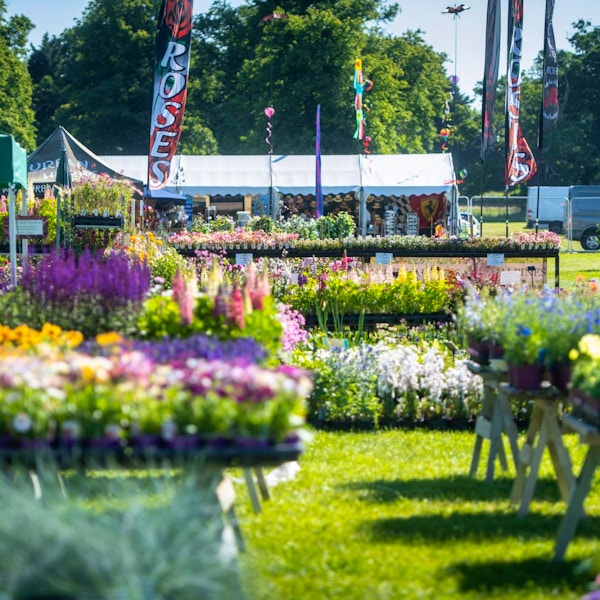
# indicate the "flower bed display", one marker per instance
pixel 389 382
pixel 134 396
pixel 331 291
pixel 247 239
pixel 532 327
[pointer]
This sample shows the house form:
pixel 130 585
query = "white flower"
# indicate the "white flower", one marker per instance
pixel 22 422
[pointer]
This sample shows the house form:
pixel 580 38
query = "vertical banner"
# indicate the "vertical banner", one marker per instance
pixel 318 184
pixel 490 77
pixel 520 162
pixel 549 108
pixel 171 69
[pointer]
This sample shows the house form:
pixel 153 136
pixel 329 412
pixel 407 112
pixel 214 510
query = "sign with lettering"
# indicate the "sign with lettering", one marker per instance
pixel 243 258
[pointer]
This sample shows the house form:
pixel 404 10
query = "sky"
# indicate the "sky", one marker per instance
pixel 461 39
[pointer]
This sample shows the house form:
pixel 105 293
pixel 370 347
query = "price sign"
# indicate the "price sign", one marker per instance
pixel 383 258
pixel 495 260
pixel 243 258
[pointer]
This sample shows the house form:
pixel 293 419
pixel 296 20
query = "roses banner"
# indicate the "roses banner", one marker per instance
pixel 171 68
pixel 549 110
pixel 520 163
pixel 490 76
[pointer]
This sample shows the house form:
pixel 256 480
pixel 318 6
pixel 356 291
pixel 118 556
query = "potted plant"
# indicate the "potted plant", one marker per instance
pixel 585 380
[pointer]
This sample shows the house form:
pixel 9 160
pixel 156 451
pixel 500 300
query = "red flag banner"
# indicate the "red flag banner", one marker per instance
pixel 490 76
pixel 549 110
pixel 520 162
pixel 171 69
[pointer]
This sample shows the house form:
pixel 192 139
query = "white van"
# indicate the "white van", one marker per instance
pixel 552 202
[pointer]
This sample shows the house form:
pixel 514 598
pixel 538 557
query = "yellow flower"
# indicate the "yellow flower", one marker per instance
pixel 108 339
pixel 51 331
pixel 73 338
pixel 590 344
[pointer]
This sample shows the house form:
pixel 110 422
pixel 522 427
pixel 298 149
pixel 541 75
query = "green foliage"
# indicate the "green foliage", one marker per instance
pixel 222 223
pixel 106 102
pixel 16 89
pixel 165 264
pixel 113 536
pixel 102 195
pixel 264 223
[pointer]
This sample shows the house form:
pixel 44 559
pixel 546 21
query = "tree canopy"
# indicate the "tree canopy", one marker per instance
pixel 95 79
pixel 16 89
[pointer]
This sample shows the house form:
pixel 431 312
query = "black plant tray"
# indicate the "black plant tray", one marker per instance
pixel 150 456
pixel 372 319
pixel 98 222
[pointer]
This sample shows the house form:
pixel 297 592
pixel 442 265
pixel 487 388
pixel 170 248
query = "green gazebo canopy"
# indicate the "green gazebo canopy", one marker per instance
pixel 13 162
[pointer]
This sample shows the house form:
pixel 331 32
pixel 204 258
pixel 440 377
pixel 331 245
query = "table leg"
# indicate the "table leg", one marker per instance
pixel 536 459
pixel 254 499
pixel 559 455
pixel 495 443
pixel 574 512
pixel 262 483
pixel 526 455
pixel 476 455
pixel 511 429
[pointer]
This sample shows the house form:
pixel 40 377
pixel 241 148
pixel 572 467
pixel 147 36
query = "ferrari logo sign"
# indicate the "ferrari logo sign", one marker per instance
pixel 429 207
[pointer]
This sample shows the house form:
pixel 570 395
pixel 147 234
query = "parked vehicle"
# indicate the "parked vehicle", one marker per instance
pixel 552 202
pixel 583 212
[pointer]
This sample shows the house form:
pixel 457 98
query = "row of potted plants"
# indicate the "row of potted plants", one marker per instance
pixel 390 380
pixel 249 239
pixel 537 330
pixel 114 392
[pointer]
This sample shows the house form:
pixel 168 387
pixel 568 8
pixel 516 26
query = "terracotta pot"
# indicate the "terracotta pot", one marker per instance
pixel 525 377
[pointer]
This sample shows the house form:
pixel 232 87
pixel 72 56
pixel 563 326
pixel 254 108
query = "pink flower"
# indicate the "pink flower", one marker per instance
pixel 236 308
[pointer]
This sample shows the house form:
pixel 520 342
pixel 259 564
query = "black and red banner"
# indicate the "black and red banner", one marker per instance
pixel 520 162
pixel 171 70
pixel 549 109
pixel 490 77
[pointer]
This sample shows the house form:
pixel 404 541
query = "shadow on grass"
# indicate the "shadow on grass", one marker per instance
pixel 484 577
pixel 448 488
pixel 472 526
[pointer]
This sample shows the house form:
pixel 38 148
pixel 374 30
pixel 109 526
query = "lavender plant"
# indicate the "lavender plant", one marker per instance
pixel 90 292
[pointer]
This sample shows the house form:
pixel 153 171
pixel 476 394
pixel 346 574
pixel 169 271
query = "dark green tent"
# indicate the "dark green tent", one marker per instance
pixel 13 173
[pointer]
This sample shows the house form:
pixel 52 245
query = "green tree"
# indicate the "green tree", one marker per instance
pixel 306 59
pixel 107 75
pixel 16 117
pixel 45 67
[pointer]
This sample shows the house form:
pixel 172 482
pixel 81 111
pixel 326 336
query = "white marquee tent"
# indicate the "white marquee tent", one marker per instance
pixel 383 175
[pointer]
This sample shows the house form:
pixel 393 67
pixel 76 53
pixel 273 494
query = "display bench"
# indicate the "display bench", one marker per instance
pixel 208 465
pixel 494 423
pixel 492 258
pixel 590 437
pixel 544 432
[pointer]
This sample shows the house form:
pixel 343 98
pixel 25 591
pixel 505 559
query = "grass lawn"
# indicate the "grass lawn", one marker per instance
pixel 394 515
pixel 573 265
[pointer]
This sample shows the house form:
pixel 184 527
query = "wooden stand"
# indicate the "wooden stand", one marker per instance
pixel 544 426
pixel 495 419
pixel 262 486
pixel 590 436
